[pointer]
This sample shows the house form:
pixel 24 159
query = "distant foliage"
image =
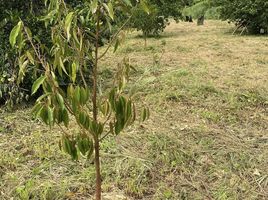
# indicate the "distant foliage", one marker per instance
pixel 247 13
pixel 198 8
pixel 13 88
pixel 155 20
pixel 10 11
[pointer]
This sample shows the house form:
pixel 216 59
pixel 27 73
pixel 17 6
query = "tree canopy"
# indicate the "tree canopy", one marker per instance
pixel 248 13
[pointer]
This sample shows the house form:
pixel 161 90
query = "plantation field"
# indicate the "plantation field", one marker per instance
pixel 207 137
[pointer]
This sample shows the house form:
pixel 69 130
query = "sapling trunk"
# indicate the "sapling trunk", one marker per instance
pixel 145 39
pixel 95 111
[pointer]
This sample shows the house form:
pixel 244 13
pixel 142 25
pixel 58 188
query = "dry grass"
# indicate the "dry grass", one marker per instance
pixel 207 137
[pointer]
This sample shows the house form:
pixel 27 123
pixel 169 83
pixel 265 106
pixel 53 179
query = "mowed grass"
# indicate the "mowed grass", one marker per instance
pixel 207 137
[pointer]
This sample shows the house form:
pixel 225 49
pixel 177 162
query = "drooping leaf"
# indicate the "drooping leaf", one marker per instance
pixel 144 6
pixel 82 118
pixel 65 117
pixel 145 114
pixel 30 57
pixel 127 2
pixel 83 96
pixel 84 144
pixel 74 70
pixel 14 33
pixel 94 6
pixel 43 114
pixel 62 67
pixel 37 84
pixel 116 45
pixel 69 146
pixel 50 116
pixel 109 9
pixel 36 109
pixel 67 25
pixel 60 101
pixel 77 94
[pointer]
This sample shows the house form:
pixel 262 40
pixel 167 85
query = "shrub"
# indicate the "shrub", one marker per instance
pixel 251 14
pixel 200 8
pixel 13 89
pixel 153 21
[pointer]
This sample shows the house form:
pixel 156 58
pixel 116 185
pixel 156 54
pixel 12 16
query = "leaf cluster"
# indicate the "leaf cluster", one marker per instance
pixel 73 51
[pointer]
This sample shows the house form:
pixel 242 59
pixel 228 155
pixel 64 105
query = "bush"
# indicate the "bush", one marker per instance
pixel 200 8
pixel 159 13
pixel 251 14
pixel 10 11
pixel 12 89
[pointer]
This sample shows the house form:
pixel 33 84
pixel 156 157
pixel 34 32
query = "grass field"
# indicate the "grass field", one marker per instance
pixel 207 137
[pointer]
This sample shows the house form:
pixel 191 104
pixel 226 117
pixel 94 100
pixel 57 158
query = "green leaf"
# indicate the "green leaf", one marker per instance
pixel 37 84
pixel 82 118
pixel 69 147
pixel 22 71
pixel 74 70
pixel 118 127
pixel 65 118
pixel 60 101
pixel 96 128
pixel 84 144
pixel 42 97
pixel 50 116
pixel 83 96
pixel 144 6
pixel 70 92
pixel 116 45
pixel 127 2
pixel 62 65
pixel 87 122
pixel 28 32
pixel 94 6
pixel 66 145
pixel 14 33
pixel 43 114
pixel 109 9
pixel 77 94
pixel 67 25
pixel 145 114
pixel 30 57
pixel 112 99
pixel 37 109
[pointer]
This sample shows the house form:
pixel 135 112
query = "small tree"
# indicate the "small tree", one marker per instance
pixel 148 23
pixel 75 36
pixel 154 20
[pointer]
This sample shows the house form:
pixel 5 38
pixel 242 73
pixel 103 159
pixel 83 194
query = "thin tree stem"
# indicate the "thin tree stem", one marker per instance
pixel 95 110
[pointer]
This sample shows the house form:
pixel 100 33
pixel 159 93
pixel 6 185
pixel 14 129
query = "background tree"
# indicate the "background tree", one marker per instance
pixel 251 14
pixel 154 20
pixel 199 8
